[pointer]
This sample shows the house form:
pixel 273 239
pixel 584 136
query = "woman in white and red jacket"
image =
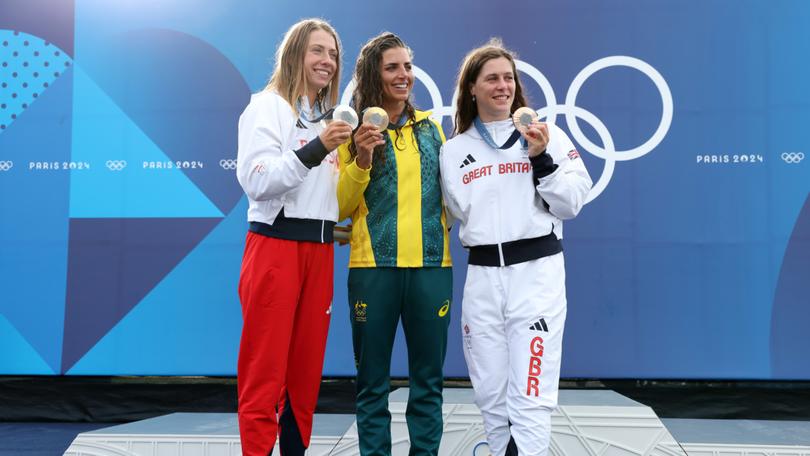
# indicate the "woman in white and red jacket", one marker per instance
pixel 287 166
pixel 510 190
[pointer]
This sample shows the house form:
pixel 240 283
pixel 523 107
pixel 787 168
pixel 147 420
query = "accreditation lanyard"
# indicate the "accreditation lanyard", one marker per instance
pixel 482 130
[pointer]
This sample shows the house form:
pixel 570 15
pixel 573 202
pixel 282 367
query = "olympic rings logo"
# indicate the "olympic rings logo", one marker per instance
pixel 572 112
pixel 116 165
pixel 792 157
pixel 227 163
pixel 6 165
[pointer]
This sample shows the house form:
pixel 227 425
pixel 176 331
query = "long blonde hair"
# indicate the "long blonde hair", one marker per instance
pixel 289 77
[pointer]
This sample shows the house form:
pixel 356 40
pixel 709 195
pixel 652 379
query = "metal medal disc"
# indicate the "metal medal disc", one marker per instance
pixel 377 117
pixel 524 117
pixel 347 114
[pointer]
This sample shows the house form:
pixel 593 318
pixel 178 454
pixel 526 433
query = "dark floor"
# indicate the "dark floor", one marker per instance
pixel 40 439
pixel 41 415
pixel 124 399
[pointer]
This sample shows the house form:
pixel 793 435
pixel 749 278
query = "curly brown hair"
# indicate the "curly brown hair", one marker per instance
pixel 368 90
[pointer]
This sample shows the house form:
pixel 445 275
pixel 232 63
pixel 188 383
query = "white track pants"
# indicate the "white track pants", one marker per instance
pixel 512 322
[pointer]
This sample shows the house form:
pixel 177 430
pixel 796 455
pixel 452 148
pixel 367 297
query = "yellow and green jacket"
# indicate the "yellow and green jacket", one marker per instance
pixel 396 208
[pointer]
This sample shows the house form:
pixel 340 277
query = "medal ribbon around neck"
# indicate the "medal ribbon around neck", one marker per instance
pixel 403 118
pixel 315 109
pixel 482 130
pixel 343 113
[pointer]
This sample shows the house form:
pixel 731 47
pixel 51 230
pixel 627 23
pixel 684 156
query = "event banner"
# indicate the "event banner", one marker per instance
pixel 122 224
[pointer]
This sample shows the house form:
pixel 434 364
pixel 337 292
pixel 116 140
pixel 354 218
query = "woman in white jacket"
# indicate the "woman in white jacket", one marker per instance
pixel 287 166
pixel 510 190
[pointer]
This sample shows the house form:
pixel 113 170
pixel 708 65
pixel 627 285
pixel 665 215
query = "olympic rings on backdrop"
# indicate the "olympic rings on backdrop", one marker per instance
pixel 226 163
pixel 116 165
pixel 792 157
pixel 572 112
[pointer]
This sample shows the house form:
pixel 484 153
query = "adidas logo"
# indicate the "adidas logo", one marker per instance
pixel 539 325
pixel 467 161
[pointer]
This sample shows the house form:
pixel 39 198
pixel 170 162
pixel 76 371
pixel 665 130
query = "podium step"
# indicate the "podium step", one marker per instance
pixel 587 422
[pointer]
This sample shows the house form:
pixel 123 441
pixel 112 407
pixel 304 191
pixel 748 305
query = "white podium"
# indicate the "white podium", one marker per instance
pixel 587 423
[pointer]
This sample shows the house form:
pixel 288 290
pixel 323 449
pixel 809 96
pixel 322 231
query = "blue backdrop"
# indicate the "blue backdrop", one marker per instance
pixel 122 224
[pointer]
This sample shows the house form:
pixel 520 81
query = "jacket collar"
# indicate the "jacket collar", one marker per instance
pixel 418 117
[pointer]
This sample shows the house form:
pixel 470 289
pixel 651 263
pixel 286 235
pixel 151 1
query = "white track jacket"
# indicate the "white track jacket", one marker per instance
pixel 288 175
pixel 502 195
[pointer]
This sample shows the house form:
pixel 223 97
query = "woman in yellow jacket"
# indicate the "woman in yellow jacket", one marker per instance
pixel 400 258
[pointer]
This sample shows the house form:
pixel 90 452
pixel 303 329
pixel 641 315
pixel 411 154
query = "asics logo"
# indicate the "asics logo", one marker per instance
pixel 445 308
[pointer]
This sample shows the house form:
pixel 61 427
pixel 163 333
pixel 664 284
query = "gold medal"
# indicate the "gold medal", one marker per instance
pixel 377 117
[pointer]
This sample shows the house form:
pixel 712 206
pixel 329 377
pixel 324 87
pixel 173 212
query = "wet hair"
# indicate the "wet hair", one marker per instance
pixel 289 75
pixel 368 90
pixel 466 108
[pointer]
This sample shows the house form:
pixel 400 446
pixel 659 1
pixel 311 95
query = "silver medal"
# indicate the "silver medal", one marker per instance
pixel 346 114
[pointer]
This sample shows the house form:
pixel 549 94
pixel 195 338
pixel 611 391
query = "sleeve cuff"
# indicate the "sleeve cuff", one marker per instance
pixel 542 165
pixel 313 153
pixel 357 173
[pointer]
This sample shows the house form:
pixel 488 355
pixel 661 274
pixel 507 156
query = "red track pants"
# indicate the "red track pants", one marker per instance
pixel 285 289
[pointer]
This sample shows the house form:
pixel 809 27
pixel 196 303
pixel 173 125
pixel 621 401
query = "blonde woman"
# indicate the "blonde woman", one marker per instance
pixel 288 169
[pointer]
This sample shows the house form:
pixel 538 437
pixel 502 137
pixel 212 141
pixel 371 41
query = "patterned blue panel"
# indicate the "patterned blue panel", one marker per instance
pixel 17 355
pixel 189 322
pixel 34 185
pixel 791 312
pixel 188 103
pixel 112 265
pixel 131 176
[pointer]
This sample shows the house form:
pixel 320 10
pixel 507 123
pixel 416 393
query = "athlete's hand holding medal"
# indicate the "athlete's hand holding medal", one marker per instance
pixel 532 130
pixel 339 122
pixel 370 135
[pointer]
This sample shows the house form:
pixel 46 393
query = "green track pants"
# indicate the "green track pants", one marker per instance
pixel 378 298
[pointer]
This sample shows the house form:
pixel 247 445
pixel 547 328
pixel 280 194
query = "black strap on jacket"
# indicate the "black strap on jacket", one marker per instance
pixel 295 229
pixel 515 252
